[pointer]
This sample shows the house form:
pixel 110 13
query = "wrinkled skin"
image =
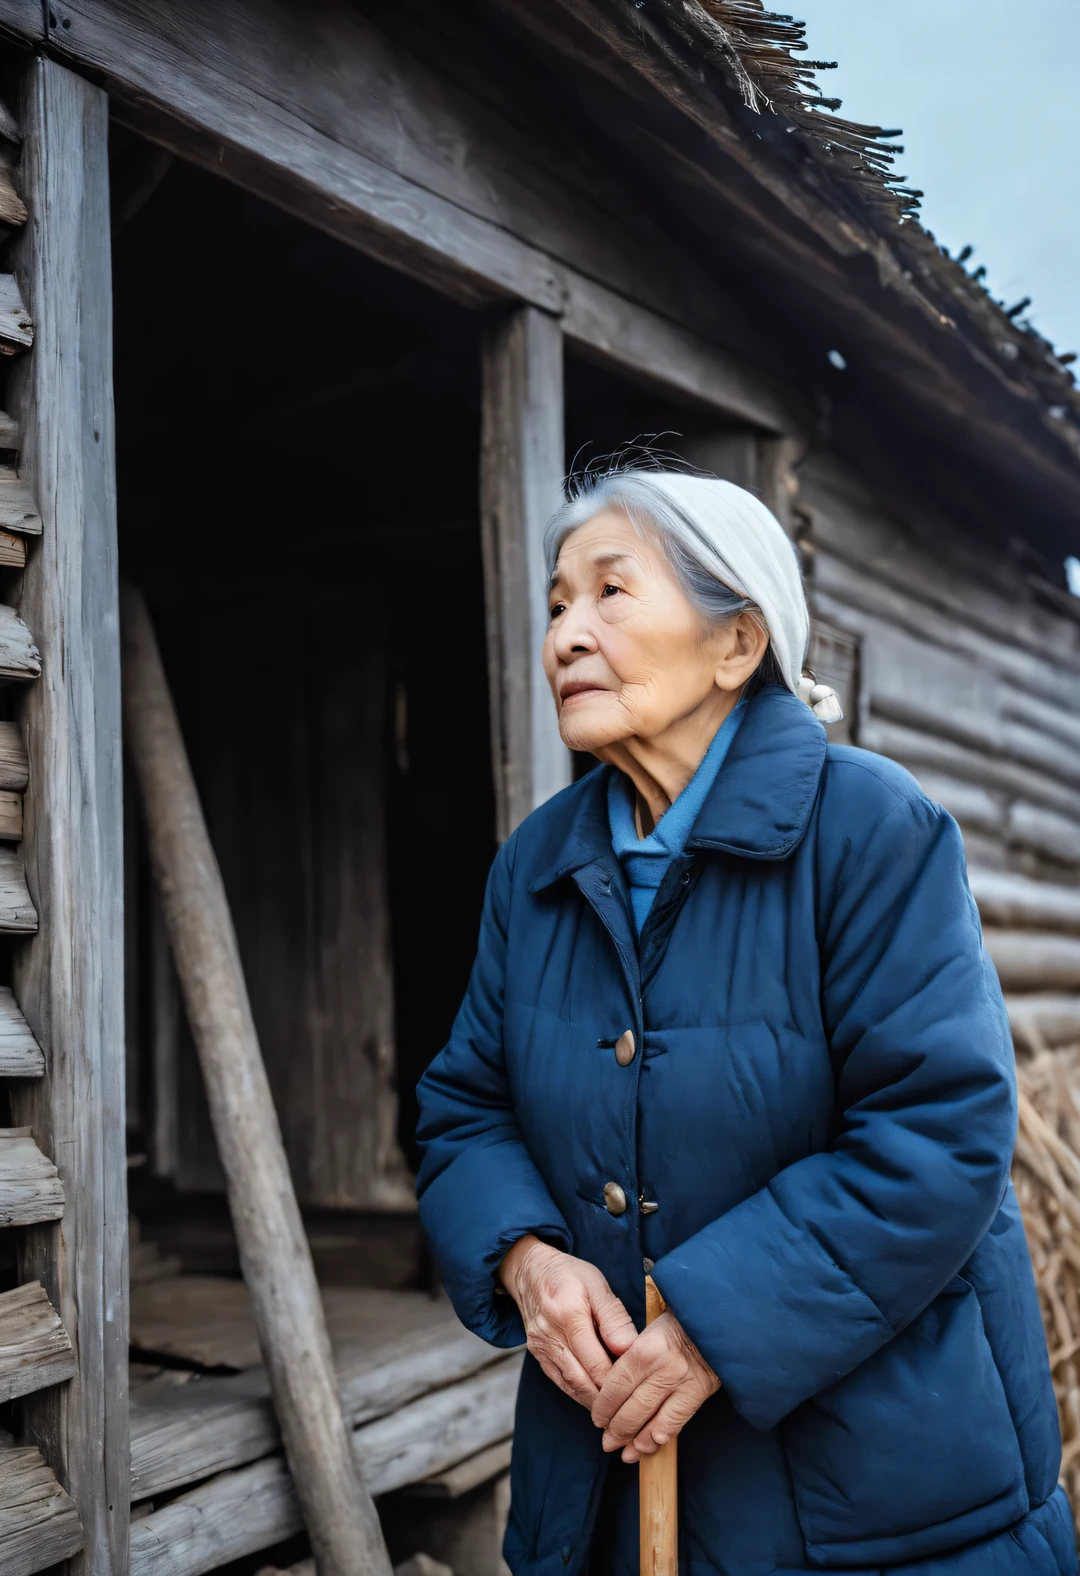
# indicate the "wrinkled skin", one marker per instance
pixel 640 678
pixel 575 1325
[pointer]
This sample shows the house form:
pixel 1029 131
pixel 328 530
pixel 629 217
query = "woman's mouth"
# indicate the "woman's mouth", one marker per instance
pixel 568 691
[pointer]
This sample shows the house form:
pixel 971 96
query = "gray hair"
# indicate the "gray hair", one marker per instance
pixel 656 518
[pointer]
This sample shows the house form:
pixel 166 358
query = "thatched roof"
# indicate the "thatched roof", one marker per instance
pixel 832 225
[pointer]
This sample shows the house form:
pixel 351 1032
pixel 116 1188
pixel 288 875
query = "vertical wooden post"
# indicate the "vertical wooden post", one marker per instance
pixel 69 978
pixel 521 472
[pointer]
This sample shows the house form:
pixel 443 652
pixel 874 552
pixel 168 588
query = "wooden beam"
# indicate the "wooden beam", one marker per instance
pixel 35 1350
pixel 668 356
pixel 30 1187
pixel 68 979
pixel 350 133
pixel 274 1253
pixel 39 1524
pixel 20 1053
pixel 521 470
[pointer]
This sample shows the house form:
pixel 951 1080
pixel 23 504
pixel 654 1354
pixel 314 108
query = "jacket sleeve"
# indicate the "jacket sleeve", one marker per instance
pixel 806 1279
pixel 479 1190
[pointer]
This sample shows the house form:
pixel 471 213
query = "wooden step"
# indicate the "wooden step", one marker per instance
pixel 12 207
pixel 14 761
pixel 239 1513
pixel 18 916
pixel 16 324
pixel 39 1525
pixel 34 1347
pixel 19 657
pixel 20 1053
pixel 389 1348
pixel 30 1187
pixel 10 432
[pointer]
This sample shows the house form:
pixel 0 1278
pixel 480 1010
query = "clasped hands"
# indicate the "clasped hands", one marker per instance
pixel 640 1388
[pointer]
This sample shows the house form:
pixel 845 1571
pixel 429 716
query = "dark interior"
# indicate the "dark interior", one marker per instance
pixel 297 441
pixel 297 454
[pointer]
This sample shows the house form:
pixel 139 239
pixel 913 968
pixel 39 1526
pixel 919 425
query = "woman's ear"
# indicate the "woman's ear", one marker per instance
pixel 742 652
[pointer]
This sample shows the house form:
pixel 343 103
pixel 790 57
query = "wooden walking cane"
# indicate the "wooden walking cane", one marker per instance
pixel 658 1484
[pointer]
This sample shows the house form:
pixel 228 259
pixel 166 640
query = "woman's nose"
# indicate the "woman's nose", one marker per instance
pixel 573 635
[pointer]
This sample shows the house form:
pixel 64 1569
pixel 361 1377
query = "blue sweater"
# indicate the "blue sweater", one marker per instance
pixel 646 859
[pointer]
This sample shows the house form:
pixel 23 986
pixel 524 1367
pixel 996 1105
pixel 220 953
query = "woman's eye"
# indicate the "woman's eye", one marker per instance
pixel 559 607
pixel 611 591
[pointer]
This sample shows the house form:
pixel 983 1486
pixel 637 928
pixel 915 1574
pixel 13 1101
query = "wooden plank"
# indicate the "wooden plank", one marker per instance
pixel 665 355
pixel 39 1524
pixel 68 980
pixel 16 324
pixel 18 916
pixel 19 655
pixel 35 1350
pixel 182 1434
pixel 1045 832
pixel 209 1320
pixel 521 471
pixel 30 1187
pixel 403 168
pixel 12 551
pixel 917 749
pixel 14 761
pixel 921 555
pixel 1014 901
pixel 274 1251
pixel 18 506
pixel 242 1512
pixel 1034 960
pixel 467 1475
pixel 20 1053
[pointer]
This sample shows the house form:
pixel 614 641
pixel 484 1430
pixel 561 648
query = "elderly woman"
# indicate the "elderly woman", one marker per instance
pixel 731 1024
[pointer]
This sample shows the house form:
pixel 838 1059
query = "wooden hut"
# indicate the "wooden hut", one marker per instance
pixel 359 281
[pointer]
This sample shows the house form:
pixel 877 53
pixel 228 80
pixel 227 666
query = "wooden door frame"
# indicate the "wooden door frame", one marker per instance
pixel 68 978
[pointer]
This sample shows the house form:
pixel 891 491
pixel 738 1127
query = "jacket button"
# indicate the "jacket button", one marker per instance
pixel 614 1199
pixel 625 1048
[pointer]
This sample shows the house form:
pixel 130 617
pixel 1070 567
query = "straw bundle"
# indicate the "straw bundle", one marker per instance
pixel 1046 1172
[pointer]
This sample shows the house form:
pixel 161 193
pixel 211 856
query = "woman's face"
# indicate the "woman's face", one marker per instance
pixel 627 654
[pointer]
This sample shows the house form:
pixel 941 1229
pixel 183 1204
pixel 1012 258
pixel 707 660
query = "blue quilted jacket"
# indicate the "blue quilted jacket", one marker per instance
pixel 822 1104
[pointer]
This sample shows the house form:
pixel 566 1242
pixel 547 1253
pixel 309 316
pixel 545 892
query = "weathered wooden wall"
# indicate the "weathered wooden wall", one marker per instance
pixel 975 687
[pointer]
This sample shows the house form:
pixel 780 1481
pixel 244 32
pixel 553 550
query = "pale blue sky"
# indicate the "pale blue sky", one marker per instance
pixel 988 95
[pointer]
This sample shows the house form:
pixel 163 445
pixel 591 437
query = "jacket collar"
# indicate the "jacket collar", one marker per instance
pixel 758 807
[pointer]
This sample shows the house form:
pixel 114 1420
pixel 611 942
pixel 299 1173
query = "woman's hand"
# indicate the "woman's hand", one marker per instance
pixel 564 1302
pixel 652 1390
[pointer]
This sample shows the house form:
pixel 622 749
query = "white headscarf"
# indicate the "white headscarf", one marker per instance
pixel 740 542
